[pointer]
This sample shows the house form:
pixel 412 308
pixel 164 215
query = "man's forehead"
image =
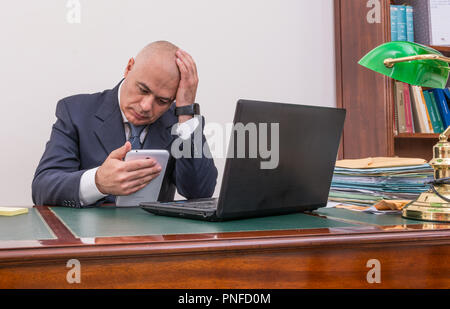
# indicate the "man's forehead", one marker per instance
pixel 157 81
pixel 163 93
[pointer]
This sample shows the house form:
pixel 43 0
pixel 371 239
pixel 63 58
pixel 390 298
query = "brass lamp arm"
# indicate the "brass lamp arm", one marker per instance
pixel 389 62
pixel 443 137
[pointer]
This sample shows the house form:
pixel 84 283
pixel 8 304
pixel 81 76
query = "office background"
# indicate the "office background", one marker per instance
pixel 274 50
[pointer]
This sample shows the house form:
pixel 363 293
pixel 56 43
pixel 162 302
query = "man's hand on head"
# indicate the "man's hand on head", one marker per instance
pixel 117 177
pixel 187 88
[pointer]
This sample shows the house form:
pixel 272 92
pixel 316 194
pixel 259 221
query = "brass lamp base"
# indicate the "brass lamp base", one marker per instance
pixel 428 207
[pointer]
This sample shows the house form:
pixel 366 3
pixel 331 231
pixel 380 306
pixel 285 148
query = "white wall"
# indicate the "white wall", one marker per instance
pixel 254 49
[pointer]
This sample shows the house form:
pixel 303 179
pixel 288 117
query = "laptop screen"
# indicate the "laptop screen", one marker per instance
pixel 280 158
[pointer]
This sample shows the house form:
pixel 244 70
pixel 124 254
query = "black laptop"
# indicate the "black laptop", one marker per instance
pixel 297 180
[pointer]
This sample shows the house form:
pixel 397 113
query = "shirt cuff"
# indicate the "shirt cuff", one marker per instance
pixel 185 129
pixel 89 193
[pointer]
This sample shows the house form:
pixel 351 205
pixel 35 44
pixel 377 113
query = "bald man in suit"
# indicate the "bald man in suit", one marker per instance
pixel 83 165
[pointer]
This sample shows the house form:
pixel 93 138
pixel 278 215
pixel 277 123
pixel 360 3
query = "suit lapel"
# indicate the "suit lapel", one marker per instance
pixel 110 130
pixel 159 133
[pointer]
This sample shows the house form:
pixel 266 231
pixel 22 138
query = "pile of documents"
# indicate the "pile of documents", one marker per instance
pixel 12 211
pixel 365 182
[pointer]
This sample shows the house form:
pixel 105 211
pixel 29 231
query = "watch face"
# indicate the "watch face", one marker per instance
pixel 196 109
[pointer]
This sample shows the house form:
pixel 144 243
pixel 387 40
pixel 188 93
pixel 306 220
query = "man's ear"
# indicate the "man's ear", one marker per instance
pixel 129 67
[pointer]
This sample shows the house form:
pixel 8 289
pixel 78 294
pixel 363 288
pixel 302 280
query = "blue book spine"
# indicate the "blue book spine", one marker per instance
pixel 434 120
pixel 410 23
pixel 436 111
pixel 441 102
pixel 446 92
pixel 401 23
pixel 394 36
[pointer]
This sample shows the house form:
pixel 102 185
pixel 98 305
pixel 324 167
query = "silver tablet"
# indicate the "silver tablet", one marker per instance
pixel 150 192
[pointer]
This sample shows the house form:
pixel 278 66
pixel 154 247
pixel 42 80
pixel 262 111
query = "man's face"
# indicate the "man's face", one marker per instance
pixel 147 91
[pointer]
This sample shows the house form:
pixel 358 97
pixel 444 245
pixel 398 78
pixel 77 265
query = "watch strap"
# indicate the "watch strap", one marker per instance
pixel 193 109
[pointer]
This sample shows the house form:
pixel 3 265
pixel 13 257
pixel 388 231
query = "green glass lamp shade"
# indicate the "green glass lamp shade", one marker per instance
pixel 431 73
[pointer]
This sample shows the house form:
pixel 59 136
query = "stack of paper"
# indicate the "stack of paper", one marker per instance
pixel 366 186
pixel 12 211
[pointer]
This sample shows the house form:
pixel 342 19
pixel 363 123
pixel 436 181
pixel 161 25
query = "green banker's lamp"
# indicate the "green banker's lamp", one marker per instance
pixel 420 65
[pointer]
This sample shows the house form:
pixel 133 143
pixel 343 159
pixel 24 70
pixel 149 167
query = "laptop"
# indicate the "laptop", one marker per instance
pixel 294 176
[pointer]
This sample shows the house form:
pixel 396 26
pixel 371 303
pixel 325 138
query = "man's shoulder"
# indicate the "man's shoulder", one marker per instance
pixel 86 98
pixel 87 102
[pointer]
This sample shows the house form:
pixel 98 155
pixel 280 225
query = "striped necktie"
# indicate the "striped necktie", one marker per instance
pixel 135 136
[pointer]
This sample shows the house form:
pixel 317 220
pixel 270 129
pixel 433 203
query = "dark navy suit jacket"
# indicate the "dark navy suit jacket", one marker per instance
pixel 88 128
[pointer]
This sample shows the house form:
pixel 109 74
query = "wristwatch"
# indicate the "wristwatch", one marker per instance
pixel 193 109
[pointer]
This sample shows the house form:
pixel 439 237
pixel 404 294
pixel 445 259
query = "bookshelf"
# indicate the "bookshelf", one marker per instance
pixel 368 96
pixel 417 135
pixel 442 49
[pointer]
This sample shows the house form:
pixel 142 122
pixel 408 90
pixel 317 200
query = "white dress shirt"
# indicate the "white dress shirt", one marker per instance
pixel 89 192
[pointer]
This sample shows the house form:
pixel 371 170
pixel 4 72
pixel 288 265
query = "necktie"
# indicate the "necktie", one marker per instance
pixel 135 135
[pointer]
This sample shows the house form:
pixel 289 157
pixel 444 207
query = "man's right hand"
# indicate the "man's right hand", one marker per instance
pixel 117 177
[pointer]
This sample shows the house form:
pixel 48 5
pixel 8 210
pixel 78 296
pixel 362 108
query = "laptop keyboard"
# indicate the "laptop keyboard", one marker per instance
pixel 198 204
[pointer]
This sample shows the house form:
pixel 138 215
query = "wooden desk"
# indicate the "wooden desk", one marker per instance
pixel 328 249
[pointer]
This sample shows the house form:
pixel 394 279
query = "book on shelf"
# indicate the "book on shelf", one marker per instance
pixel 419 111
pixel 400 107
pixel 437 112
pixel 409 23
pixel 422 100
pixel 447 94
pixel 394 13
pixel 395 116
pixel 408 109
pixel 435 122
pixel 442 104
pixel 418 124
pixel 402 23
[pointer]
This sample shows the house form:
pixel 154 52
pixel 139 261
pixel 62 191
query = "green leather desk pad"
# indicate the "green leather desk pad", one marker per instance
pixel 361 217
pixel 29 226
pixel 109 221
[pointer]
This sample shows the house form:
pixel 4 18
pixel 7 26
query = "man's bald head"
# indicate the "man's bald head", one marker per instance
pixel 161 47
pixel 161 54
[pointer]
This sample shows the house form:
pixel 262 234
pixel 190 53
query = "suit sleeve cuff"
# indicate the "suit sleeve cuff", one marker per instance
pixel 184 130
pixel 89 193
